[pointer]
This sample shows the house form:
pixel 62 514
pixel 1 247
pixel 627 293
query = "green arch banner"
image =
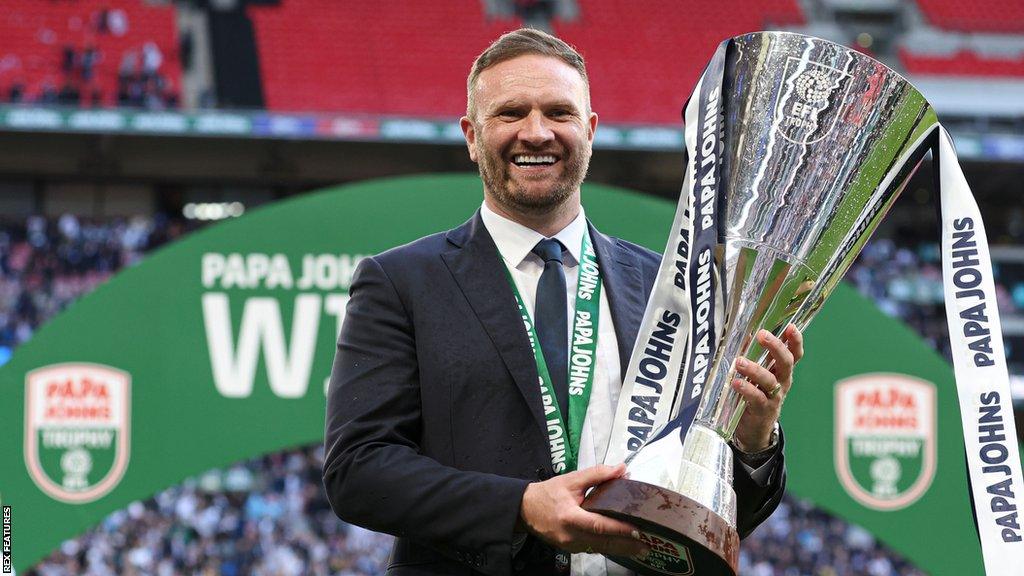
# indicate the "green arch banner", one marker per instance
pixel 218 347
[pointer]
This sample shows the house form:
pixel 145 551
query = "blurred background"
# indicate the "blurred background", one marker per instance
pixel 126 124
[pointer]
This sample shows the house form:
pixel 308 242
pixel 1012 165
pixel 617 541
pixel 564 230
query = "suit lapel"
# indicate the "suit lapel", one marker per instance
pixel 626 296
pixel 480 273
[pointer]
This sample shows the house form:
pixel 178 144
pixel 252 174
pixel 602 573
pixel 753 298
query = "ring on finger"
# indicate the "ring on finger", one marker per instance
pixel 775 390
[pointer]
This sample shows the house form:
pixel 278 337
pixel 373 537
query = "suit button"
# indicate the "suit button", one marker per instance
pixel 519 565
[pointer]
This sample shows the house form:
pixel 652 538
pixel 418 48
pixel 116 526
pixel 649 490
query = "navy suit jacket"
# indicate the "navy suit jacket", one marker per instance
pixel 434 417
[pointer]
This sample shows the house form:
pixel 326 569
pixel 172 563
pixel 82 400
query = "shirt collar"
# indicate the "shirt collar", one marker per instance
pixel 515 241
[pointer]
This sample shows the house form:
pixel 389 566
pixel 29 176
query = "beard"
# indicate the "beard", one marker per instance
pixel 512 193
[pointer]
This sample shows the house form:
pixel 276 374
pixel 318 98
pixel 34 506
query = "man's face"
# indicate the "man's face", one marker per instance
pixel 530 132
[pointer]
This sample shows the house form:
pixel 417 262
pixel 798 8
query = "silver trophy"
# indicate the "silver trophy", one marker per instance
pixel 815 141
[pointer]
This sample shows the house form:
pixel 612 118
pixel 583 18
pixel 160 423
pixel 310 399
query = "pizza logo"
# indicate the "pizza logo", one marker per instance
pixel 885 438
pixel 809 99
pixel 665 556
pixel 77 428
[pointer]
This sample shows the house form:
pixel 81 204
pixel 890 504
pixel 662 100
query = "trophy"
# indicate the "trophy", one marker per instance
pixel 796 148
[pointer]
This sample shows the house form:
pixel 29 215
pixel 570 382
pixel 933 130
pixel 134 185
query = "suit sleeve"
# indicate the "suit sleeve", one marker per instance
pixel 755 501
pixel 374 472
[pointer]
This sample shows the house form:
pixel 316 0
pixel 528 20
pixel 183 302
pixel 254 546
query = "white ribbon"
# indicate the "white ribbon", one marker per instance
pixel 986 408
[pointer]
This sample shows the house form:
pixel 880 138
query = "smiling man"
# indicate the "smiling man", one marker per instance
pixel 529 127
pixel 456 419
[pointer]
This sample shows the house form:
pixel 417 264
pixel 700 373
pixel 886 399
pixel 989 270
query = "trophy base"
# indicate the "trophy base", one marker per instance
pixel 684 536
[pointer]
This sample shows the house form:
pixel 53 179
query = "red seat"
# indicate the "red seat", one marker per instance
pixel 975 16
pixel 387 56
pixel 962 63
pixel 644 59
pixel 391 56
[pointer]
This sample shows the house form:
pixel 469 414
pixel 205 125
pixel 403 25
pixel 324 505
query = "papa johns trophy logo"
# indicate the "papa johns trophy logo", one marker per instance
pixel 885 438
pixel 665 556
pixel 77 429
pixel 808 104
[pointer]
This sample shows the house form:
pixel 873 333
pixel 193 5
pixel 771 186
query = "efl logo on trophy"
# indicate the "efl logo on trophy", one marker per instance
pixel 885 438
pixel 809 100
pixel 77 428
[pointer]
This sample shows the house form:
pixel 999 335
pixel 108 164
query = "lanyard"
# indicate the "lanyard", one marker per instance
pixel 563 441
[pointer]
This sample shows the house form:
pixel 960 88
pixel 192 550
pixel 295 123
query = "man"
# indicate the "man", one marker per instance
pixel 436 420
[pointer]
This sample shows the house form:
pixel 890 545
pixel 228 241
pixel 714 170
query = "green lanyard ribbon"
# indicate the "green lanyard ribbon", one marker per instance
pixel 565 447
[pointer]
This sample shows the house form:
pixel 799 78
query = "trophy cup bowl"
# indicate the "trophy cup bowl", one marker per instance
pixel 818 141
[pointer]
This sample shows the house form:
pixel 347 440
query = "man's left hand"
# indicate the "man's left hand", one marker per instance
pixel 765 389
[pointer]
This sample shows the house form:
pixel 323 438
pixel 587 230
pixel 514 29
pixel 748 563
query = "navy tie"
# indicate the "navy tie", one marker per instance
pixel 550 320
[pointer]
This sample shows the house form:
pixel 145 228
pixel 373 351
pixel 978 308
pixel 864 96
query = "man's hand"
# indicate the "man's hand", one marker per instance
pixel 766 388
pixel 551 511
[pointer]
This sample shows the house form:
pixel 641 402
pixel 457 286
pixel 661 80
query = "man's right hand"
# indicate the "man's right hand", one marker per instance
pixel 551 511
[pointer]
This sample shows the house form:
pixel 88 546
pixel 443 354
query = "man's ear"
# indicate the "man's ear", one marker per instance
pixel 469 131
pixel 593 126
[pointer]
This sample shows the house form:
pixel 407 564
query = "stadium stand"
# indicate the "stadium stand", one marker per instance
pixel 967 16
pixel 270 517
pixel 643 62
pixel 265 517
pixel 387 59
pixel 371 56
pixel 961 63
pixel 46 264
pixel 384 57
pixel 89 52
pixel 964 39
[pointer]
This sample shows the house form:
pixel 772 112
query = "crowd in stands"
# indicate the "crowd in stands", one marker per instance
pixel 89 61
pixel 905 282
pixel 265 517
pixel 269 516
pixel 139 81
pixel 45 264
pixel 801 540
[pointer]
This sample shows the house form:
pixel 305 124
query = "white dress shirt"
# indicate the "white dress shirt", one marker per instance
pixel 515 243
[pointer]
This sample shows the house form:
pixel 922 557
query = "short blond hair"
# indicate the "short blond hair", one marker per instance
pixel 520 43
